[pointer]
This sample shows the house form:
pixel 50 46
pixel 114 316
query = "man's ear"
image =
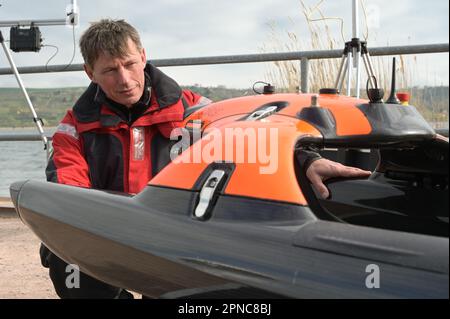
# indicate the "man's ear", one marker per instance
pixel 89 72
pixel 144 56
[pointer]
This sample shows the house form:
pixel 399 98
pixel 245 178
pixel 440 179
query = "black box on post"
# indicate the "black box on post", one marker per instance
pixel 25 40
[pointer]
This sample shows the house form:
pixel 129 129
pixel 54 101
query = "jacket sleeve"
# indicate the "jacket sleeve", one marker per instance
pixel 306 157
pixel 67 164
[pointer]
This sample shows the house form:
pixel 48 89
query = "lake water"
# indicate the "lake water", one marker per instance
pixel 20 161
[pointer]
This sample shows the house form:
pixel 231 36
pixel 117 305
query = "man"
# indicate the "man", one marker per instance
pixel 129 105
pixel 109 140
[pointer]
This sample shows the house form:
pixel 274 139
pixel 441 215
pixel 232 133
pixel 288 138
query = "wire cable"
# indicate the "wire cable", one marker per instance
pixel 57 50
pixel 259 82
pixel 366 36
pixel 74 48
pixel 317 8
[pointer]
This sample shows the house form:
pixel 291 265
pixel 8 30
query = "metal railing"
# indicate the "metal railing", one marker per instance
pixel 303 56
pixel 22 137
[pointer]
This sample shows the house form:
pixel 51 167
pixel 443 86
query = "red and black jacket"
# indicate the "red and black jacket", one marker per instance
pixel 95 147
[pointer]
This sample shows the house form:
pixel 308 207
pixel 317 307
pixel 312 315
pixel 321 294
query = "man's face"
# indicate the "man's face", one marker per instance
pixel 122 79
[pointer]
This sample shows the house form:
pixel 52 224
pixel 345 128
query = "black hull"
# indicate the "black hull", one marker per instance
pixel 148 244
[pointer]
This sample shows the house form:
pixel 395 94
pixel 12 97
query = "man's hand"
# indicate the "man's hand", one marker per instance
pixel 323 169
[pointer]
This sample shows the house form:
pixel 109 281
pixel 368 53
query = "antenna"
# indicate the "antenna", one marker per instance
pixel 29 40
pixel 393 97
pixel 73 14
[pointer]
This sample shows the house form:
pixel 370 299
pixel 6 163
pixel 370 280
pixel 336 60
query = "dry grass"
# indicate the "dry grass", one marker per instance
pixel 323 72
pixel 285 75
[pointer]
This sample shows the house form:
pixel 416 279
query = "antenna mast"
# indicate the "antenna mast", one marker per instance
pixel 72 18
pixel 351 58
pixel 356 50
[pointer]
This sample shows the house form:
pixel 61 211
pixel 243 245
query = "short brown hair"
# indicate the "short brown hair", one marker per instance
pixel 107 36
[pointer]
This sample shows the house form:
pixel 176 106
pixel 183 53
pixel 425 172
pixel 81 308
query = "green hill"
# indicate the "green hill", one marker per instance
pixel 52 104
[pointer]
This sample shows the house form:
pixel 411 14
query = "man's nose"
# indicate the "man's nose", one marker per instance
pixel 123 76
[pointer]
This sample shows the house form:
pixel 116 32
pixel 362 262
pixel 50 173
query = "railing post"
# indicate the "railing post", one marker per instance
pixel 48 149
pixel 304 71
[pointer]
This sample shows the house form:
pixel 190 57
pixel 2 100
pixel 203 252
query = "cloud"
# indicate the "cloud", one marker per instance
pixel 188 28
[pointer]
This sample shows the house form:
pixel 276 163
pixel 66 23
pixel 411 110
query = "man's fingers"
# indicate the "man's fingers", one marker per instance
pixel 319 186
pixel 323 190
pixel 353 172
pixel 324 169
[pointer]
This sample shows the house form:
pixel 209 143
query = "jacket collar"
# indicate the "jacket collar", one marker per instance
pixel 88 107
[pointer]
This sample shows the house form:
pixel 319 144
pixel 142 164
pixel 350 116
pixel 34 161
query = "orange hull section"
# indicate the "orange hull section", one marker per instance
pixel 257 176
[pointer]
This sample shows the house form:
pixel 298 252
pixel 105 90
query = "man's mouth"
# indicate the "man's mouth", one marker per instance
pixel 127 91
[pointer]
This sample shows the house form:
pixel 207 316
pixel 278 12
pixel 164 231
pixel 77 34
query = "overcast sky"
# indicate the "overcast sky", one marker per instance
pixel 189 28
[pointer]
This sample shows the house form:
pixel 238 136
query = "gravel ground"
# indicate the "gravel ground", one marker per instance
pixel 22 275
